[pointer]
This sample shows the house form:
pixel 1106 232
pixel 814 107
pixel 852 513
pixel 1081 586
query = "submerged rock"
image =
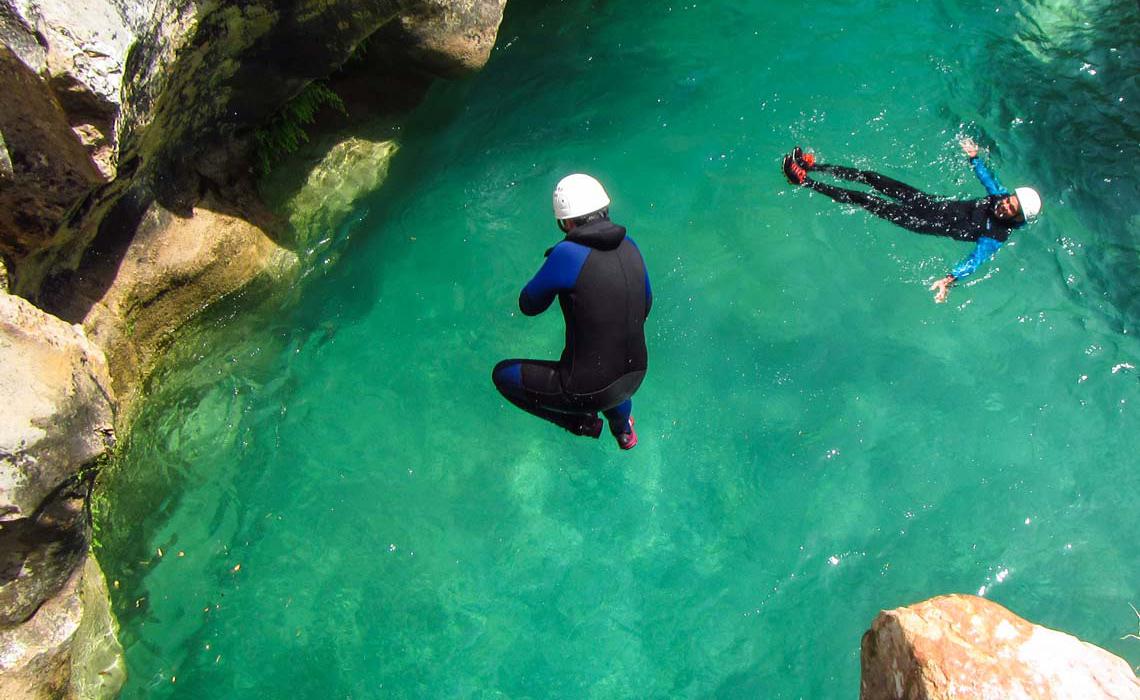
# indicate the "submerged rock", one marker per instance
pixel 961 646
pixel 68 648
pixel 332 188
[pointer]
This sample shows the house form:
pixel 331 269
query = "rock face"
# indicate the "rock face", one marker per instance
pixel 57 421
pixel 128 204
pixel 133 293
pixel 966 647
pixel 168 93
pixel 452 38
pixel 44 168
pixel 55 427
pixel 80 49
pixel 166 96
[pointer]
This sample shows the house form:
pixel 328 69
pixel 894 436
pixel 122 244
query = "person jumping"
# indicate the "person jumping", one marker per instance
pixel 599 278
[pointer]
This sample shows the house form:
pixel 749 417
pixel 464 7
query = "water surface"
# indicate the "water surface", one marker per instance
pixel 327 498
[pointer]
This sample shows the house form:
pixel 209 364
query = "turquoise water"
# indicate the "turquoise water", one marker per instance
pixel 345 508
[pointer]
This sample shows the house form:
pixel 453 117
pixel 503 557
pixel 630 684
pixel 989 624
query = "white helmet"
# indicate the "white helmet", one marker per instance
pixel 1030 202
pixel 578 195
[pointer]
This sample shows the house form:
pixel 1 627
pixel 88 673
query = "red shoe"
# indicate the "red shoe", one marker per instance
pixel 794 171
pixel 627 441
pixel 805 160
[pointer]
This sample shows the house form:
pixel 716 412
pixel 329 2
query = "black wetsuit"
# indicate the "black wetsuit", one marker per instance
pixel 971 220
pixel 602 285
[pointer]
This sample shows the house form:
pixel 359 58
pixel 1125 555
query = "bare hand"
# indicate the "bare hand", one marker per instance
pixel 941 288
pixel 968 146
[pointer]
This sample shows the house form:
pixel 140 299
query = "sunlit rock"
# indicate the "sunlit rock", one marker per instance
pixel 79 49
pixel 171 269
pixel 44 168
pixel 128 205
pixel 453 37
pixel 55 425
pixel 960 646
pixel 51 375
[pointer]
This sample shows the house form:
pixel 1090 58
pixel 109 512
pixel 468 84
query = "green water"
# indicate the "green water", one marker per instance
pixel 346 509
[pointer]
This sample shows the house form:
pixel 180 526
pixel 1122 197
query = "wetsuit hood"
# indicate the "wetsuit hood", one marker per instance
pixel 602 234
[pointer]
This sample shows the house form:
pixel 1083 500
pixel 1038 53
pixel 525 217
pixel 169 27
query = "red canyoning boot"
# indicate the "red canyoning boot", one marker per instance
pixel 794 171
pixel 627 441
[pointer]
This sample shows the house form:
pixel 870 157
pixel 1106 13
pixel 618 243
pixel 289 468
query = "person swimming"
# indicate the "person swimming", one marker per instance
pixel 600 280
pixel 987 222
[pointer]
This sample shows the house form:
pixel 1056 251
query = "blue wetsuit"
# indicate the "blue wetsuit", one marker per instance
pixel 599 278
pixel 964 220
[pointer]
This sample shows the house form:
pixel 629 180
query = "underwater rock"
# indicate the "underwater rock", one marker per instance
pixel 68 648
pixel 962 646
pixel 332 188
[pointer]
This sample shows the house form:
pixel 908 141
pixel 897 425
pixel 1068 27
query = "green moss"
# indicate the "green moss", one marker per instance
pixel 287 129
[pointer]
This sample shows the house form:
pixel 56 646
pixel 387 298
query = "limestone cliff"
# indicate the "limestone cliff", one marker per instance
pixel 146 112
pixel 128 204
pixel 55 427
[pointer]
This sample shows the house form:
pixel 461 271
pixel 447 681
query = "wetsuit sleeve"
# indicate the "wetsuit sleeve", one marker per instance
pixel 983 251
pixel 987 178
pixel 648 287
pixel 557 274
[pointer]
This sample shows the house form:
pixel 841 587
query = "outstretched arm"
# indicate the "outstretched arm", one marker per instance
pixel 983 251
pixel 987 178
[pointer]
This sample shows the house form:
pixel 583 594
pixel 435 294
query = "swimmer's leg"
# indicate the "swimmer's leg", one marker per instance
pixel 911 216
pixel 890 211
pixel 535 387
pixel 888 186
pixel 618 417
